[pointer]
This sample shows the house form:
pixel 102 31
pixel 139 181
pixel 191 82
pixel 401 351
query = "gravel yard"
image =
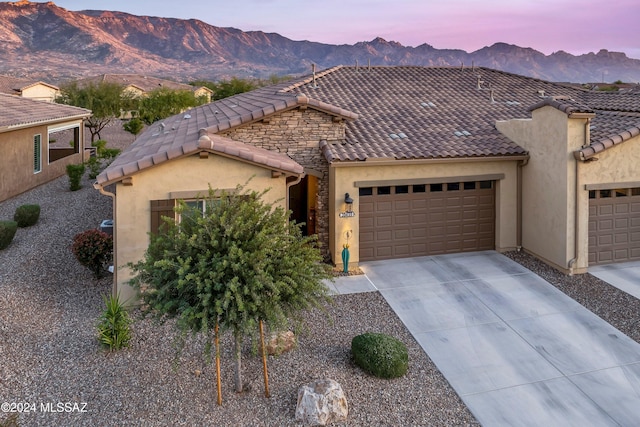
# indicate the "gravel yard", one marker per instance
pixel 49 305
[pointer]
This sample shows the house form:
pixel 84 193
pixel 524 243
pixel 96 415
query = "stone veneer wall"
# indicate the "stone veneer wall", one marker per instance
pixel 298 133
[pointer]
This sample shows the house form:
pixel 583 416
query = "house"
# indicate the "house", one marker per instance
pixel 37 142
pixel 405 161
pixel 32 89
pixel 140 85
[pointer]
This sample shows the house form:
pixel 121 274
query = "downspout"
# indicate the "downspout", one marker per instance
pixel 291 184
pixel 587 142
pixel 114 286
pixel 521 164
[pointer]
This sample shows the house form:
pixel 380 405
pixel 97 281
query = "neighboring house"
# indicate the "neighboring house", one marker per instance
pixel 32 89
pixel 434 160
pixel 140 85
pixel 37 142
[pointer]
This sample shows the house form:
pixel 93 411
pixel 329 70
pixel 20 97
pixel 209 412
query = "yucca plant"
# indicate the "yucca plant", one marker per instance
pixel 114 330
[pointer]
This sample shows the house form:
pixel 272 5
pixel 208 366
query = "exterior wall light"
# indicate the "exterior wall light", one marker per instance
pixel 348 201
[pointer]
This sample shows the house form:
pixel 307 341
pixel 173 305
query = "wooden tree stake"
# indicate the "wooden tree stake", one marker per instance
pixel 264 362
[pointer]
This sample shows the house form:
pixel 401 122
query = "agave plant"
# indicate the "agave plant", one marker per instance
pixel 114 324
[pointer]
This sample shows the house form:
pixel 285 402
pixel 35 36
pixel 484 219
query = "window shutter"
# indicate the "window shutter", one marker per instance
pixel 37 153
pixel 160 209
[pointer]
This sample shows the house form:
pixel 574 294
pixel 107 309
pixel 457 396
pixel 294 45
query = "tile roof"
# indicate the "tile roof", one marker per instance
pixel 159 149
pixel 17 112
pixel 15 85
pixel 142 82
pixel 427 112
pixel 404 112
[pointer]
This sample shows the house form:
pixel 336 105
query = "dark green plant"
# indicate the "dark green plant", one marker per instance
pixel 7 231
pixel 110 153
pixel 100 145
pixel 27 215
pixel 114 324
pixel 95 166
pixel 240 263
pixel 381 355
pixel 75 172
pixel 133 126
pixel 93 249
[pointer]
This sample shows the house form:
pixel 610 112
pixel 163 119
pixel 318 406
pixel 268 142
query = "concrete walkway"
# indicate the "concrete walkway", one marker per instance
pixel 517 350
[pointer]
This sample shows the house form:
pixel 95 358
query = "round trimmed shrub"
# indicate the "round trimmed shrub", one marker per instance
pixel 381 355
pixel 93 249
pixel 7 231
pixel 27 215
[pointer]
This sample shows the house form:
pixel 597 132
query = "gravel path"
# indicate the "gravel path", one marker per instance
pixel 49 305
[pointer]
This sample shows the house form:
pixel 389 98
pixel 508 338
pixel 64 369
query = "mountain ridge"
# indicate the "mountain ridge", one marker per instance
pixel 40 40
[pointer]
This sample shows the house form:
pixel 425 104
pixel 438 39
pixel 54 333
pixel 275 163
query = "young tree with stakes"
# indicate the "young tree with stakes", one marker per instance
pixel 240 264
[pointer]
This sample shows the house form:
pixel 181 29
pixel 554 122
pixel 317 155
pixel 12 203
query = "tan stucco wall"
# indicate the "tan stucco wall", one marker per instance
pixel 16 160
pixel 40 92
pixel 617 167
pixel 132 207
pixel 343 177
pixel 549 184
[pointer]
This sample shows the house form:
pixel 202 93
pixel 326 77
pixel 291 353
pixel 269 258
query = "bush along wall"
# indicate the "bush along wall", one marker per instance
pixel 75 172
pixel 7 231
pixel 27 215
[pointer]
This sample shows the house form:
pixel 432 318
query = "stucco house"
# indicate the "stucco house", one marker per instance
pixel 26 88
pixel 431 160
pixel 37 142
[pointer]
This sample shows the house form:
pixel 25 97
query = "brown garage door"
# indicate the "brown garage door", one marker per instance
pixel 614 225
pixel 415 220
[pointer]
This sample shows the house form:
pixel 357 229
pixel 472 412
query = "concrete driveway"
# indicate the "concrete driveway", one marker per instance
pixel 624 276
pixel 518 351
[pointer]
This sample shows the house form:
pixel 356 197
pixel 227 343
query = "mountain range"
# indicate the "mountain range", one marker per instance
pixel 44 41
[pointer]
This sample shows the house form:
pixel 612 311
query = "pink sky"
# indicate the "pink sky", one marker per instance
pixel 575 26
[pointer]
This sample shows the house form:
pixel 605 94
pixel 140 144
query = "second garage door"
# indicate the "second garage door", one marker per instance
pixel 426 219
pixel 614 225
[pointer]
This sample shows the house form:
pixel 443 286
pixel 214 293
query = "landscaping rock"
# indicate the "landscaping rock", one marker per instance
pixel 281 342
pixel 321 402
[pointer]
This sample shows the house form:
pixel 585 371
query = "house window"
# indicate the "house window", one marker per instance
pixel 37 153
pixel 366 191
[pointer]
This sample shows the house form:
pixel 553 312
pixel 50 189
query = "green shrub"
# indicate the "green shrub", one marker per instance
pixel 94 167
pixel 93 248
pixel 110 153
pixel 381 355
pixel 100 145
pixel 114 324
pixel 75 172
pixel 27 215
pixel 7 231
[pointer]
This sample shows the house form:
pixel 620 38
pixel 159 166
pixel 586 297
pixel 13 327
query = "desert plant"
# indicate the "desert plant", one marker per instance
pixel 7 231
pixel 110 153
pixel 95 165
pixel 133 126
pixel 100 146
pixel 27 215
pixel 381 355
pixel 75 172
pixel 92 248
pixel 114 324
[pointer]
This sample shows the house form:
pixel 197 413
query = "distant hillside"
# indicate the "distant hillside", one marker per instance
pixel 45 41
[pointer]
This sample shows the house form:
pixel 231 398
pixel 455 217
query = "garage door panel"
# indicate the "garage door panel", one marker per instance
pixel 614 228
pixel 432 222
